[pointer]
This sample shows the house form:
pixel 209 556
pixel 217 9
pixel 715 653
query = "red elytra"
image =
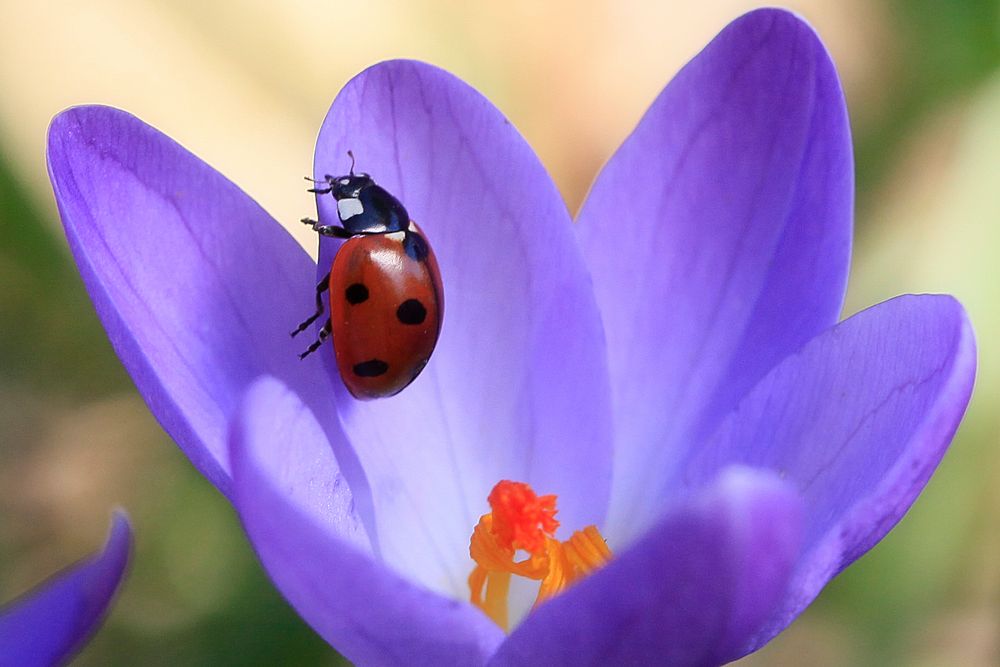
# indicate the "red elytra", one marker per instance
pixel 385 309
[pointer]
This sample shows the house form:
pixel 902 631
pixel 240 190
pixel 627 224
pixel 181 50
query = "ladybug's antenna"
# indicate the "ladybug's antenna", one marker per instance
pixel 350 154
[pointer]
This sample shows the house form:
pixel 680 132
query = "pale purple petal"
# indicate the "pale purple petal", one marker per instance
pixel 517 387
pixel 687 593
pixel 197 286
pixel 299 514
pixel 718 237
pixel 51 623
pixel 857 421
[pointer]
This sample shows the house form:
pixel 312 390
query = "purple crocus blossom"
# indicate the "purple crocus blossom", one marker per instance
pixel 51 623
pixel 670 366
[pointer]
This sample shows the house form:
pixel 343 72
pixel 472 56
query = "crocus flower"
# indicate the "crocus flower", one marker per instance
pixel 51 623
pixel 669 367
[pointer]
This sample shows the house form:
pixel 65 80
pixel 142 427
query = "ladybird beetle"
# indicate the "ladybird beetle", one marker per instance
pixel 385 296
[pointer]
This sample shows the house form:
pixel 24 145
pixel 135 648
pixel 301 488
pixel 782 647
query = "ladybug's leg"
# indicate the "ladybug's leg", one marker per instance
pixel 327 230
pixel 320 191
pixel 324 333
pixel 323 286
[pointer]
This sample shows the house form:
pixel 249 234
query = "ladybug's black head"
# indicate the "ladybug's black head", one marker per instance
pixel 348 187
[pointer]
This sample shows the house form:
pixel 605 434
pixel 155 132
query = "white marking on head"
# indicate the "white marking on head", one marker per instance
pixel 345 181
pixel 348 208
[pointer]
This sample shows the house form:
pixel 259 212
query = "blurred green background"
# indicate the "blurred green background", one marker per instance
pixel 245 86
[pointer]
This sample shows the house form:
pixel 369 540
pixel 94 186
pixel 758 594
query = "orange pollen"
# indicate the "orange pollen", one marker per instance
pixel 521 520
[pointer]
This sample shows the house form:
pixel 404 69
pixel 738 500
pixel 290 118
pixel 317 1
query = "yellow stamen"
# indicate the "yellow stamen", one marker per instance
pixel 520 520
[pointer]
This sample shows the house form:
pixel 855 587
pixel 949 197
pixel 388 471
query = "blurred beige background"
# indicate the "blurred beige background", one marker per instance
pixel 246 85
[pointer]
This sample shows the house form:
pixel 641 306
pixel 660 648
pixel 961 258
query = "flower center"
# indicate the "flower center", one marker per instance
pixel 523 521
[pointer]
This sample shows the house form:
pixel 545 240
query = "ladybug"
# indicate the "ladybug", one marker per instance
pixel 385 296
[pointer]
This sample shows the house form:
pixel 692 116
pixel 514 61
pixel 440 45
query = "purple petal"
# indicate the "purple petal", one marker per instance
pixel 298 512
pixel 517 387
pixel 48 625
pixel 196 285
pixel 857 421
pixel 718 237
pixel 689 592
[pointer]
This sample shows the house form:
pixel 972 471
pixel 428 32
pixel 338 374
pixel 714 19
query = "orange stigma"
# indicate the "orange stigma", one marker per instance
pixel 523 521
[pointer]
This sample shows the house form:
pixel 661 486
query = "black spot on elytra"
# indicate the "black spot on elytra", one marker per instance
pixel 411 311
pixel 356 293
pixel 371 368
pixel 415 246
